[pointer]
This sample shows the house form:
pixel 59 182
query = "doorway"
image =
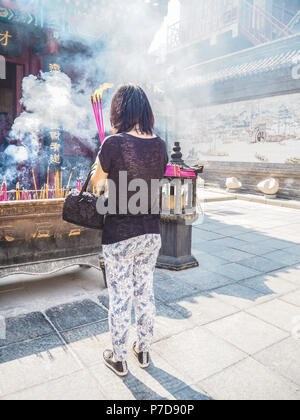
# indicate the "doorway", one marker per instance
pixel 8 93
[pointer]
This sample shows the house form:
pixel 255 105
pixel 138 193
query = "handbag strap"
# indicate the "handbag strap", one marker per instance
pixel 86 184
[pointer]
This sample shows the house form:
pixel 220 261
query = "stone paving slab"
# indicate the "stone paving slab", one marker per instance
pixel 277 243
pixel 207 353
pixel 79 386
pixel 246 332
pixel 289 274
pixel 28 348
pixel 26 327
pixel 270 285
pixel 171 320
pixel 250 380
pixel 251 237
pixel 263 265
pixel 236 272
pixel 278 313
pixel 240 296
pixel 170 290
pixel 295 249
pixel 293 298
pixel 283 358
pixel 201 235
pixel 233 255
pixel 259 249
pixel 87 342
pixel 206 281
pixel 33 370
pixel 205 308
pixel 206 261
pixel 66 317
pixel 229 242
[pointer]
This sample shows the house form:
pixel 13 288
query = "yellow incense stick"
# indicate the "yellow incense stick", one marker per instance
pixel 17 192
pixel 35 187
pixel 61 181
pixel 55 182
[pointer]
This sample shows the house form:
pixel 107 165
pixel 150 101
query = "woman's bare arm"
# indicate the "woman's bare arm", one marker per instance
pixel 99 177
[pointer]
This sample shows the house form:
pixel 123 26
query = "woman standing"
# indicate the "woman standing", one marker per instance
pixel 132 156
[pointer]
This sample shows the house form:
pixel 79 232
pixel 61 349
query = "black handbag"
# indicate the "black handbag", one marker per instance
pixel 80 208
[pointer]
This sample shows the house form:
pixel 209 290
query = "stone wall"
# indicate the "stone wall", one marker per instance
pixel 250 174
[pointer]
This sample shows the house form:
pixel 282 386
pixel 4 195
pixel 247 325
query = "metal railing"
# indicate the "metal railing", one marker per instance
pixel 283 14
pixel 259 26
pixel 255 23
pixel 294 21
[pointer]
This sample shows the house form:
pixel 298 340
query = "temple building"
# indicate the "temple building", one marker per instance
pixel 234 76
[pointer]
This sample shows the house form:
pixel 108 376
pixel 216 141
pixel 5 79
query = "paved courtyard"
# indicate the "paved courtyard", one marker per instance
pixel 229 329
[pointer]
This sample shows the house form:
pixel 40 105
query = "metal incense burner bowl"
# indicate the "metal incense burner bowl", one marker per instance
pixel 35 240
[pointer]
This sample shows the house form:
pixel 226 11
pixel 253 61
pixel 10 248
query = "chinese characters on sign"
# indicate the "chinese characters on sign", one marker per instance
pixel 4 38
pixel 11 42
pixel 54 140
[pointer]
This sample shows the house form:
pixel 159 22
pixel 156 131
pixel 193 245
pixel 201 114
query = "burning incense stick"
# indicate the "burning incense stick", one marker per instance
pixel 35 187
pixel 56 183
pixel 98 110
pixel 61 183
pixel 2 186
pixel 69 182
pixel 18 195
pixel 102 121
pixel 96 115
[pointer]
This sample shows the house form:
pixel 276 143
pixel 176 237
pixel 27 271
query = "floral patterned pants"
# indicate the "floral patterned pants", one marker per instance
pixel 129 268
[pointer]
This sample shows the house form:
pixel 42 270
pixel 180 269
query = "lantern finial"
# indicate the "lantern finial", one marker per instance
pixel 177 155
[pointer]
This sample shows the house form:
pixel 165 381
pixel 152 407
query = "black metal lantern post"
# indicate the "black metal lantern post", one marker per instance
pixel 179 212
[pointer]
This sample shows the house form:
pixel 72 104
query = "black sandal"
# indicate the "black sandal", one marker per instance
pixel 119 368
pixel 142 357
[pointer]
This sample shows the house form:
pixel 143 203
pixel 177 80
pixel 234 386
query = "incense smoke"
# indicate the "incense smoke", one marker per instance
pixel 50 102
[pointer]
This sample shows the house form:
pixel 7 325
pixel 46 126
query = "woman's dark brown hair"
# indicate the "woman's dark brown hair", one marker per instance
pixel 130 107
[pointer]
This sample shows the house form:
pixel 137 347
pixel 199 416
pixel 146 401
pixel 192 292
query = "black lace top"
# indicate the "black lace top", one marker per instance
pixel 142 159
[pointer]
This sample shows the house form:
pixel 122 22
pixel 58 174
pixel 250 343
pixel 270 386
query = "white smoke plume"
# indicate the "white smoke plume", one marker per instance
pixel 50 102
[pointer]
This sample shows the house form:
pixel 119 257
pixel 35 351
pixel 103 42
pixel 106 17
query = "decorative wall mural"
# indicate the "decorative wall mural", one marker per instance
pixel 266 130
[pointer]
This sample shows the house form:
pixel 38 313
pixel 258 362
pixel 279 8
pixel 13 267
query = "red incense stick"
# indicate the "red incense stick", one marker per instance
pixel 102 120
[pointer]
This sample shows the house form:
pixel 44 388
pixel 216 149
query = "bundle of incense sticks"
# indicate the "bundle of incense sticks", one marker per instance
pixel 47 191
pixel 58 191
pixel 98 110
pixel 3 191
